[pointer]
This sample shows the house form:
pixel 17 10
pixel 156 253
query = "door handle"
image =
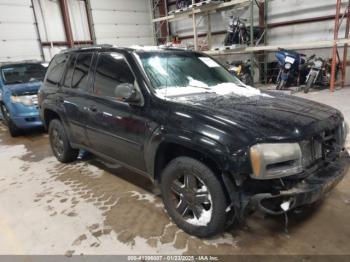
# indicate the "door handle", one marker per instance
pixel 93 108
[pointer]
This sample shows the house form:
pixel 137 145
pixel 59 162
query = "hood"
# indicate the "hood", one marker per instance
pixel 24 88
pixel 264 116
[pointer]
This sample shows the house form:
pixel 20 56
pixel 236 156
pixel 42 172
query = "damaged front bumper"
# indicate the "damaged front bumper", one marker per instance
pixel 308 191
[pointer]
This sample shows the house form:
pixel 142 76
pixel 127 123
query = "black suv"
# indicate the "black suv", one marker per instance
pixel 215 146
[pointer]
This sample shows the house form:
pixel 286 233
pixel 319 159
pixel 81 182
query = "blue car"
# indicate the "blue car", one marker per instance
pixel 19 85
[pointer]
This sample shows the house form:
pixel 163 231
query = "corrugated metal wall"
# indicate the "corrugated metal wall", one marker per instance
pixel 278 11
pixel 18 35
pixel 51 27
pixel 125 23
pixel 122 23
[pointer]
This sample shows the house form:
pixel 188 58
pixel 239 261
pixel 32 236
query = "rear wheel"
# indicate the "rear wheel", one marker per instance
pixel 60 144
pixel 13 129
pixel 194 197
pixel 309 83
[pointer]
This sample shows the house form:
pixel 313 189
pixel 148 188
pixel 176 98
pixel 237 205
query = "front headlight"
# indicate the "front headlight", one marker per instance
pixel 287 66
pixel 29 100
pixel 275 160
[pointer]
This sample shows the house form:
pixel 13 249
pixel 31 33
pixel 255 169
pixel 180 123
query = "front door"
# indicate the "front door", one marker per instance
pixel 116 129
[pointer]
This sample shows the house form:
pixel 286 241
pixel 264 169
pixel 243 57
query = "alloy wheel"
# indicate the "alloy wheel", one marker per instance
pixel 57 143
pixel 192 199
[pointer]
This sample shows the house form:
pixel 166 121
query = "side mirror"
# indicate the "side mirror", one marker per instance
pixel 126 92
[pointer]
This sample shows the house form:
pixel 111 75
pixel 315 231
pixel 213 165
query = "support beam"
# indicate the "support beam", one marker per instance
pixel 195 38
pixel 209 36
pixel 345 55
pixel 335 46
pixel 90 21
pixel 66 22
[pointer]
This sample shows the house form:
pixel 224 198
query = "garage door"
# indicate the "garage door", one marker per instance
pixel 121 22
pixel 18 34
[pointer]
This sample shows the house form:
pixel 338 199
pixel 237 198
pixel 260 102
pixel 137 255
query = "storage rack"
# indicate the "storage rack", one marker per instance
pixel 262 49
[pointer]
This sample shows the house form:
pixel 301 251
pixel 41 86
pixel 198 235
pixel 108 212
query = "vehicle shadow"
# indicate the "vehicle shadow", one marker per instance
pixel 119 171
pixel 269 223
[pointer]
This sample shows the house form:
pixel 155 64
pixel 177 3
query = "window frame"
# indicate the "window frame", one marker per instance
pixel 63 80
pixel 109 98
pixel 90 72
pixel 58 84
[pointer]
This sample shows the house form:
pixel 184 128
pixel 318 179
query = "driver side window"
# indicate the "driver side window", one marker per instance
pixel 111 71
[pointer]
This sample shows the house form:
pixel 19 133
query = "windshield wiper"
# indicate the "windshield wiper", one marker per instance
pixel 201 87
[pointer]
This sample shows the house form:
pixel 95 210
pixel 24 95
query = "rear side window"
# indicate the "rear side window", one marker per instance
pixel 56 69
pixel 111 71
pixel 69 73
pixel 81 71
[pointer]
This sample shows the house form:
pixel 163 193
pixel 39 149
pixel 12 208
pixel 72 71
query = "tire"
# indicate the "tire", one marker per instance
pixel 227 40
pixel 59 142
pixel 13 129
pixel 247 79
pixel 180 198
pixel 281 85
pixel 309 83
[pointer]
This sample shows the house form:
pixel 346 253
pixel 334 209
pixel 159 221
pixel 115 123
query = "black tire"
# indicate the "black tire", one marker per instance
pixel 309 83
pixel 227 40
pixel 248 79
pixel 209 198
pixel 13 129
pixel 281 85
pixel 60 144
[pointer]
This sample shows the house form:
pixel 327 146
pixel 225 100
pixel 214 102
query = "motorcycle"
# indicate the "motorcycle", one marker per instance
pixel 320 73
pixel 237 32
pixel 243 71
pixel 292 68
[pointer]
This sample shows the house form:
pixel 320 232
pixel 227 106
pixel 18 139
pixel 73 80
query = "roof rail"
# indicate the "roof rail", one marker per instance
pixel 78 48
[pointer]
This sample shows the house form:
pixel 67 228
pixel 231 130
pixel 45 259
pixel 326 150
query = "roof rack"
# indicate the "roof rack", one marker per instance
pixel 87 47
pixel 157 48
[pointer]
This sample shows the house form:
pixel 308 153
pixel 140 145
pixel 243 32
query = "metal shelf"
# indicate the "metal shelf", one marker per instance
pixel 271 48
pixel 204 9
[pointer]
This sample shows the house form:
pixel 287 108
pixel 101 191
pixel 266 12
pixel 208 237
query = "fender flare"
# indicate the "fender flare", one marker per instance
pixel 56 110
pixel 193 141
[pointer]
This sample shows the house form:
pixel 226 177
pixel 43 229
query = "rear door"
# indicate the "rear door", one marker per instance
pixel 76 86
pixel 116 129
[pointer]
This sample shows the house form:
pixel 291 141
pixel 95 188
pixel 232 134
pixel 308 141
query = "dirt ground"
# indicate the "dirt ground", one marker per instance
pixel 91 207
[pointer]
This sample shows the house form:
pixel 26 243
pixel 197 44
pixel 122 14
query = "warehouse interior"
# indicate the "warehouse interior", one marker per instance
pixel 93 206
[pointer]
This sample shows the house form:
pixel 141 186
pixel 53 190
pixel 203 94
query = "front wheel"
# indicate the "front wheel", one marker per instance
pixel 194 197
pixel 248 79
pixel 60 144
pixel 281 85
pixel 13 129
pixel 309 83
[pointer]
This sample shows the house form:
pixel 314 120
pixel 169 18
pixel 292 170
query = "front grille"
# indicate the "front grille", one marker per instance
pixel 325 146
pixel 312 151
